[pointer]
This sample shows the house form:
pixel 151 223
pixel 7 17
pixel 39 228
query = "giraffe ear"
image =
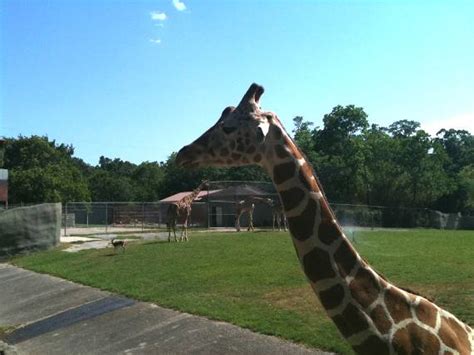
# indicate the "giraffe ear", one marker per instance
pixel 262 131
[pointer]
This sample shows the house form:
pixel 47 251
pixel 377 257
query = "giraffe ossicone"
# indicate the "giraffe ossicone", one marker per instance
pixel 373 315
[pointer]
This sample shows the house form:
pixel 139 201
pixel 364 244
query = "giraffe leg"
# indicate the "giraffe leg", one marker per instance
pixel 250 222
pixel 237 223
pixel 184 230
pixel 285 222
pixel 273 222
pixel 186 233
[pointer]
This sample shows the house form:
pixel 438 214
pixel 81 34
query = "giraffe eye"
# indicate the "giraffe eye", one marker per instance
pixel 228 130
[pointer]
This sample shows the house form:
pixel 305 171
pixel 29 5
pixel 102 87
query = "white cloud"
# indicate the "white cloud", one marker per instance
pixel 462 121
pixel 179 5
pixel 155 40
pixel 158 16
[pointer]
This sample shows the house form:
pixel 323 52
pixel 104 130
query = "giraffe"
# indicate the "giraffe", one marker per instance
pixel 372 314
pixel 182 210
pixel 244 206
pixel 247 206
pixel 278 216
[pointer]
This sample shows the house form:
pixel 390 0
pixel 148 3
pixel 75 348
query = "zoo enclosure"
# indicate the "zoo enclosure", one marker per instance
pixel 216 208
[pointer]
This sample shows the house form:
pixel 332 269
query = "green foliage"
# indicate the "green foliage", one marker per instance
pixel 43 171
pixel 397 166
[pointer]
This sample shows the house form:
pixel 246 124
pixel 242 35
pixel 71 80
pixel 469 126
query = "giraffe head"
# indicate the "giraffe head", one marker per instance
pixel 238 138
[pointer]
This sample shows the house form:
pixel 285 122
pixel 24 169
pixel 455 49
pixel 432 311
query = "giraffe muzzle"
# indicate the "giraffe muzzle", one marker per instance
pixel 186 158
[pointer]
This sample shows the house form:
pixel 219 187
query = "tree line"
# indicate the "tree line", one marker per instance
pixel 400 166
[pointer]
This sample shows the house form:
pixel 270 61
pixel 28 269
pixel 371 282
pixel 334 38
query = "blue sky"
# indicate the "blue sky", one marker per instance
pixel 139 79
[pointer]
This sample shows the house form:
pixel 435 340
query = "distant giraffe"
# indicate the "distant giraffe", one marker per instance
pixel 244 206
pixel 372 314
pixel 278 215
pixel 181 210
pixel 247 206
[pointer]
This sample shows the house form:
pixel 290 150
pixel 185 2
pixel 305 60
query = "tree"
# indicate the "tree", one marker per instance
pixel 43 171
pixel 403 128
pixel 340 157
pixel 148 179
pixel 105 186
pixel 459 145
pixel 421 165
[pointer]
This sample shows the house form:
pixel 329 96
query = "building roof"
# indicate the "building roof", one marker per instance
pixel 231 193
pixel 239 191
pixel 180 195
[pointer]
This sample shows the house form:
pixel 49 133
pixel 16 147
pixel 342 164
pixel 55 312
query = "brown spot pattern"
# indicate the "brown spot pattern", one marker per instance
pixel 381 320
pixel 415 340
pixel 251 149
pixel 281 152
pixel 283 172
pixel 426 313
pixel 328 231
pixel 453 335
pixel 372 345
pixel 257 158
pixel 301 226
pixel 345 258
pixel 308 171
pixel 291 198
pixel 276 132
pixel 397 305
pixel 364 288
pixel 317 265
pixel 225 152
pixel 236 156
pixel 350 321
pixel 332 297
pixel 304 180
pixel 240 147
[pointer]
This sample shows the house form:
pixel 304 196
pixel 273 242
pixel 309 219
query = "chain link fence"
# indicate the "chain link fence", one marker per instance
pixel 217 208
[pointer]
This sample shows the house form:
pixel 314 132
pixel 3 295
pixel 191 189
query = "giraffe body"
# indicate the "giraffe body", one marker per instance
pixel 244 206
pixel 248 206
pixel 372 314
pixel 278 216
pixel 180 211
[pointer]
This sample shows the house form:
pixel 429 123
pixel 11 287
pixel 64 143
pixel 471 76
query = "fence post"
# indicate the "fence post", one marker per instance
pixel 65 219
pixel 159 215
pixel 106 217
pixel 208 211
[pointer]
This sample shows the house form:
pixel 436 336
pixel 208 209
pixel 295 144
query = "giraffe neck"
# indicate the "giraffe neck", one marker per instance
pixel 368 311
pixel 192 196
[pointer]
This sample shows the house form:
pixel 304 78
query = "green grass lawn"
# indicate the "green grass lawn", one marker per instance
pixel 254 279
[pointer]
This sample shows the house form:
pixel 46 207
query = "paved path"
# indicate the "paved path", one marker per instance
pixel 55 316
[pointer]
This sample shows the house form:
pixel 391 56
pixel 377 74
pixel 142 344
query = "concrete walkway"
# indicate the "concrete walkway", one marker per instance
pixel 55 316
